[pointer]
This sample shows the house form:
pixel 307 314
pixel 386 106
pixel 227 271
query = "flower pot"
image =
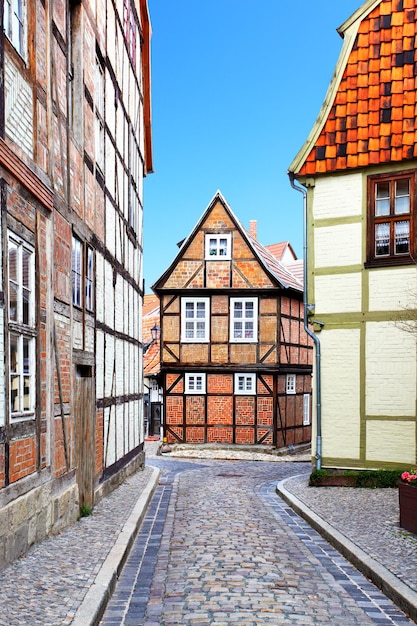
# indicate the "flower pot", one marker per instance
pixel 408 507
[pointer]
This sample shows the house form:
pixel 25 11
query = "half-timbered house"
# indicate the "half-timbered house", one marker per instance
pixel 358 174
pixel 75 145
pixel 235 359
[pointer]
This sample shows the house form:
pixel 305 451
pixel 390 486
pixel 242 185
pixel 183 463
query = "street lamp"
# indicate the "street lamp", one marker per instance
pixel 155 332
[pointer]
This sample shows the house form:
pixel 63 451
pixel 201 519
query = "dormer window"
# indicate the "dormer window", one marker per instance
pixel 218 247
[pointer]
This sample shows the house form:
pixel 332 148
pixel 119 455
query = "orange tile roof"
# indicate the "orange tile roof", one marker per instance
pixel 372 116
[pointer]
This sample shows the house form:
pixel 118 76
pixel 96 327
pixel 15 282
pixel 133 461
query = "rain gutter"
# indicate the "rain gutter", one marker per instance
pixel 309 332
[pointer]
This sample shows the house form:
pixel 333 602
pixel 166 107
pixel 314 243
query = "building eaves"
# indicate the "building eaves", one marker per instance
pixel 348 31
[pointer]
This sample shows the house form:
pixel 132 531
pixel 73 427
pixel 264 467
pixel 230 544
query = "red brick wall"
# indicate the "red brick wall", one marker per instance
pixel 195 407
pixel 245 410
pixel 22 458
pixel 220 383
pixel 219 410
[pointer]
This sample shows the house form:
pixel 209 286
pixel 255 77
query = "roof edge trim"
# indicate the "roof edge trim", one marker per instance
pixel 348 31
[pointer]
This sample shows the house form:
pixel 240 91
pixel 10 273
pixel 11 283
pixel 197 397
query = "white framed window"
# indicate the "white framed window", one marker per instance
pixel 218 247
pixel 243 320
pixel 21 327
pixel 306 409
pixel 89 279
pixel 245 384
pixel 14 24
pixel 82 275
pixel 195 383
pixel 195 320
pixel 76 271
pixel 290 385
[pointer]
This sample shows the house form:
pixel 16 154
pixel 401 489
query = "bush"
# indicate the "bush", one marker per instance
pixel 370 479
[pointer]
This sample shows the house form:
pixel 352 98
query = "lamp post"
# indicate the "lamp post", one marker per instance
pixel 155 332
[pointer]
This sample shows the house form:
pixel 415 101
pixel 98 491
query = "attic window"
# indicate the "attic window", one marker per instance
pixel 218 247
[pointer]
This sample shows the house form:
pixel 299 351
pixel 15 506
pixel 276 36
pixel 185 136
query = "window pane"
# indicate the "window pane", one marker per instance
pixel 382 239
pixel 201 326
pixel 249 309
pixel 26 267
pixel 402 197
pixel 249 330
pixel 241 383
pixel 13 299
pixel 238 309
pixel 13 261
pixel 14 354
pixel 223 247
pixel 237 330
pixel 189 309
pixel 402 237
pixel 26 302
pixel 26 355
pixel 213 247
pixel 249 384
pixel 26 393
pixel 189 330
pixel 382 199
pixel 201 309
pixel 14 394
pixel 191 383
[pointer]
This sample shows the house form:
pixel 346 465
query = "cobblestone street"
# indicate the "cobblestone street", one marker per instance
pixel 218 546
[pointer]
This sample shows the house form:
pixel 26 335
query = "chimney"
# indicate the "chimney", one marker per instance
pixel 253 227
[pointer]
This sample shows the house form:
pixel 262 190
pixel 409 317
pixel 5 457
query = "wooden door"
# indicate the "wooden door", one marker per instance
pixel 85 436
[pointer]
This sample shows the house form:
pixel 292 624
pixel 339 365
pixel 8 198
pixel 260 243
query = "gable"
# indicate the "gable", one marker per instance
pixel 368 117
pixel 242 267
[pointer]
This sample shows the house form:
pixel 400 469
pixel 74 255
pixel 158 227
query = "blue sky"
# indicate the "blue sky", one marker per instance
pixel 236 88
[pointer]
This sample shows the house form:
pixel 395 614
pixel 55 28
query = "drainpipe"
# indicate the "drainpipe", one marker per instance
pixel 306 327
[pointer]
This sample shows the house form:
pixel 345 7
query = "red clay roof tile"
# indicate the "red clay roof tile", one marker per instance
pixel 375 106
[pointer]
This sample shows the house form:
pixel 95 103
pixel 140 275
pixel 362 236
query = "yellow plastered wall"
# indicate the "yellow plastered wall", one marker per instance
pixel 341 393
pixel 391 442
pixel 390 370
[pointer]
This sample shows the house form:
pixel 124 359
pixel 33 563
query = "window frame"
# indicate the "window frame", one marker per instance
pixel 195 319
pixel 21 329
pixel 392 258
pixel 192 376
pixel 245 391
pixel 291 384
pixel 243 319
pixel 218 237
pixel 10 18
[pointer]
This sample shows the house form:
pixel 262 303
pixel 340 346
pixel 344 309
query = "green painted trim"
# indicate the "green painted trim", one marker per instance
pixel 334 270
pixel 354 320
pixel 328 222
pixel 362 394
pixel 391 418
pixel 340 463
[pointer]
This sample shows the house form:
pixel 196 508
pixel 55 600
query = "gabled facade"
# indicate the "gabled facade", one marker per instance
pixel 358 168
pixel 75 145
pixel 235 360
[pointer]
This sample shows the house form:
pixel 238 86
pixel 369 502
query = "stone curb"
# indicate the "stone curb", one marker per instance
pixel 95 601
pixel 404 597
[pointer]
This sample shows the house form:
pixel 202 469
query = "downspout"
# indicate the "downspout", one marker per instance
pixel 306 327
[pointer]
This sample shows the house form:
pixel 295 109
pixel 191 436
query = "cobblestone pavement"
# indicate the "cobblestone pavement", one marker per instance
pixel 52 584
pixel 219 547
